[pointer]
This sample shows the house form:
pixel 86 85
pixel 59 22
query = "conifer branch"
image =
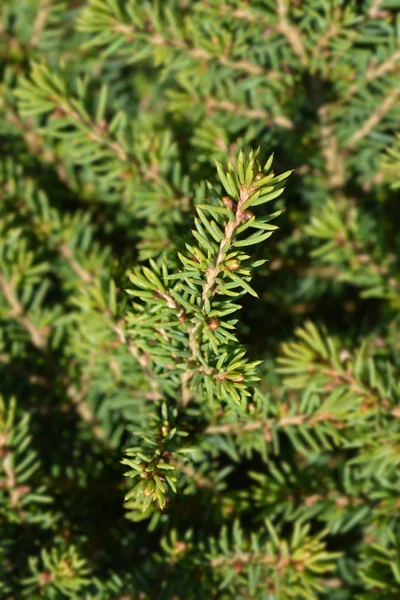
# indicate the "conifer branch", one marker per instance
pixel 212 273
pixel 209 264
pixel 187 321
pixel 376 275
pixel 79 401
pixel 39 338
pixel 82 273
pixel 373 73
pixel 37 335
pixel 312 359
pixel 379 113
pixel 36 145
pixel 291 32
pixel 18 465
pixel 214 105
pixel 109 20
pixel 143 360
pixel 40 21
pixel 284 566
pixel 46 93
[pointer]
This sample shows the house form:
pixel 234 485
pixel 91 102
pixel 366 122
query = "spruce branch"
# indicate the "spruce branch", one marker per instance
pixel 92 140
pixel 390 163
pixel 37 146
pixel 78 399
pixel 379 569
pixel 47 223
pixel 57 572
pixel 331 151
pixel 314 359
pixel 213 105
pixel 339 227
pixel 375 118
pixel 152 462
pixel 38 335
pixel 142 358
pixel 308 420
pixel 286 565
pixel 291 32
pixel 186 318
pixel 180 326
pixel 44 9
pixel 241 215
pixel 21 497
pixel 125 29
pixel 373 73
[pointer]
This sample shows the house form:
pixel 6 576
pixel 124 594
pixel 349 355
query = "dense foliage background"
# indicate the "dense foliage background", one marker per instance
pixel 112 116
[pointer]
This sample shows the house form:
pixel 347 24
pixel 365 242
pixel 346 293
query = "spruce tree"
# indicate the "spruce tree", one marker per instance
pixel 199 299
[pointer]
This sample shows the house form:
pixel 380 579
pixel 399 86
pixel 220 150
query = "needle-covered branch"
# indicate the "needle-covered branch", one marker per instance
pixel 183 321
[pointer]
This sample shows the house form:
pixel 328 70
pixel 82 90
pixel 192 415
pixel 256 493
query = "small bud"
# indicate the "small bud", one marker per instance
pixel 233 265
pixel 149 490
pixel 164 430
pixel 58 113
pixel 247 215
pixel 45 577
pixel 103 125
pixel 239 379
pixel 344 355
pixel 228 202
pixel 182 318
pixel 180 547
pixel 258 176
pixel 213 324
pixel 267 434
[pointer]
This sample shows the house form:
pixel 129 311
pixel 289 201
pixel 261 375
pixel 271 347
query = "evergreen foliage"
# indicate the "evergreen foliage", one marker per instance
pixel 192 407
